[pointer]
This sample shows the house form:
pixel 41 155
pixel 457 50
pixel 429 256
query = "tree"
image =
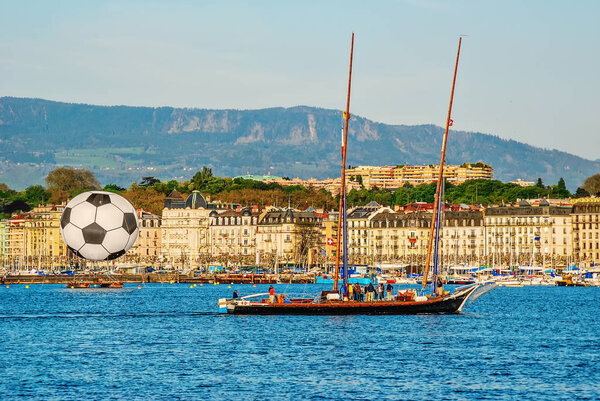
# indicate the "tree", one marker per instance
pixel 359 179
pixel 560 190
pixel 64 182
pixel 581 193
pixel 539 183
pixel 148 181
pixel 201 178
pixel 36 195
pixel 113 188
pixel 145 198
pixel 592 184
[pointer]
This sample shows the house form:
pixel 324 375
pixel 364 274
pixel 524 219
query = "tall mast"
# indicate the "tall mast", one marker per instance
pixel 434 222
pixel 342 213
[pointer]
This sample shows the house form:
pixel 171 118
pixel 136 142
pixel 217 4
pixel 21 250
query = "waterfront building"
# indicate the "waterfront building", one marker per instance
pixel 16 242
pixel 462 238
pixel 4 243
pixel 147 248
pixel 329 234
pixel 185 239
pixel 528 235
pixel 399 237
pixel 359 231
pixel 585 217
pixel 233 235
pixel 43 242
pixel 33 240
pixel 286 236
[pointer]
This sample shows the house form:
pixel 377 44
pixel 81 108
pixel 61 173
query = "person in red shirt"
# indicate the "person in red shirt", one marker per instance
pixel 271 294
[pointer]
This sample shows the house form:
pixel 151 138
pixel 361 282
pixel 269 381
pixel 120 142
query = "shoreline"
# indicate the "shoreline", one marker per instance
pixel 158 278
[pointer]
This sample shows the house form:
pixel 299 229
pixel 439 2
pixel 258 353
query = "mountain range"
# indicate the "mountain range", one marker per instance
pixel 120 144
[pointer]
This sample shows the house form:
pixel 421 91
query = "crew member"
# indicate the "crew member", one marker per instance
pixel 439 285
pixel 271 294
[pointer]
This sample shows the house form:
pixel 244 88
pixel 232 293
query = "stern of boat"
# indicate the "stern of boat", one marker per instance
pixel 223 305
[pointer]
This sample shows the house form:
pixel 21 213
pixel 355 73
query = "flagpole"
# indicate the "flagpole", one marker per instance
pixel 342 213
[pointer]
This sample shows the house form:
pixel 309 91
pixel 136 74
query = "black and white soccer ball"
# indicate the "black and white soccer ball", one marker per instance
pixel 99 225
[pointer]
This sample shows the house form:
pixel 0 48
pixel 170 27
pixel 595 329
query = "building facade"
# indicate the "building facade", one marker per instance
pixel 528 235
pixel 147 248
pixel 185 236
pixel 393 177
pixel 585 218
pixel 399 237
pixel 286 236
pixel 233 235
pixel 462 239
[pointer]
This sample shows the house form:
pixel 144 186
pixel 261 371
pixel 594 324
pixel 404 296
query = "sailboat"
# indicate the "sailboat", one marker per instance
pixel 337 302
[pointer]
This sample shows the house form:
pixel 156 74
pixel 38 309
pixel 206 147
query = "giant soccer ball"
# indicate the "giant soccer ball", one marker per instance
pixel 99 225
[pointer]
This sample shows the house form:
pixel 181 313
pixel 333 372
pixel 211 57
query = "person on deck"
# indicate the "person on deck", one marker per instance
pixel 357 290
pixel 389 288
pixel 271 294
pixel 235 294
pixel 369 292
pixel 381 291
pixel 439 285
pixel 350 292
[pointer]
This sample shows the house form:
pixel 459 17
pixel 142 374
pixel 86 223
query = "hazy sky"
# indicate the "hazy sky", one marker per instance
pixel 529 69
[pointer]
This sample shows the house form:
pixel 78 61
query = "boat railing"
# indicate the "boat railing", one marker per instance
pixel 288 295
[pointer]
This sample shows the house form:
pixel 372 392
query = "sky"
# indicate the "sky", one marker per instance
pixel 528 69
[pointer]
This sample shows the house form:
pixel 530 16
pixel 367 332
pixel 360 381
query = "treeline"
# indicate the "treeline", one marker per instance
pixel 483 192
pixel 150 193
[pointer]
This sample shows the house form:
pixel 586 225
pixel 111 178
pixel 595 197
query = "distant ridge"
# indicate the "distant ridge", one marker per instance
pixel 122 143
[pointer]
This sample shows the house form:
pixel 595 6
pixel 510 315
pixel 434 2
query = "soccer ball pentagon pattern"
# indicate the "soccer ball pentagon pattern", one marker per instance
pixel 99 225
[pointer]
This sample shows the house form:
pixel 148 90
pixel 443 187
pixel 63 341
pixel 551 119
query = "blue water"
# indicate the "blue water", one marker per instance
pixel 166 342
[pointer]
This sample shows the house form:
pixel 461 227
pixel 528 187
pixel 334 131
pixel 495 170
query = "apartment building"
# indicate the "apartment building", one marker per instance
pixel 185 236
pixel 393 177
pixel 585 218
pixel 147 248
pixel 528 235
pixel 233 234
pixel 462 238
pixel 289 236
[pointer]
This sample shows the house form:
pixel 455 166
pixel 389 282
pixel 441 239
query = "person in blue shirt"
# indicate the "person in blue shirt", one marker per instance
pixel 235 294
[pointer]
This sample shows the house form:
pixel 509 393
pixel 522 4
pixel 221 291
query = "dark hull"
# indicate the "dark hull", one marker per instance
pixel 445 305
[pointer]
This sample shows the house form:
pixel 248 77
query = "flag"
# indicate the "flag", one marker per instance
pixel 329 241
pixel 346 115
pixel 451 122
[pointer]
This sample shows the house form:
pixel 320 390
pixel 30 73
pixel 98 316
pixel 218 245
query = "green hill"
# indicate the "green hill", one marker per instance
pixel 121 144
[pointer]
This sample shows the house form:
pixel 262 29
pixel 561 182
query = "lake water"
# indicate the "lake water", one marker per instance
pixel 167 342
